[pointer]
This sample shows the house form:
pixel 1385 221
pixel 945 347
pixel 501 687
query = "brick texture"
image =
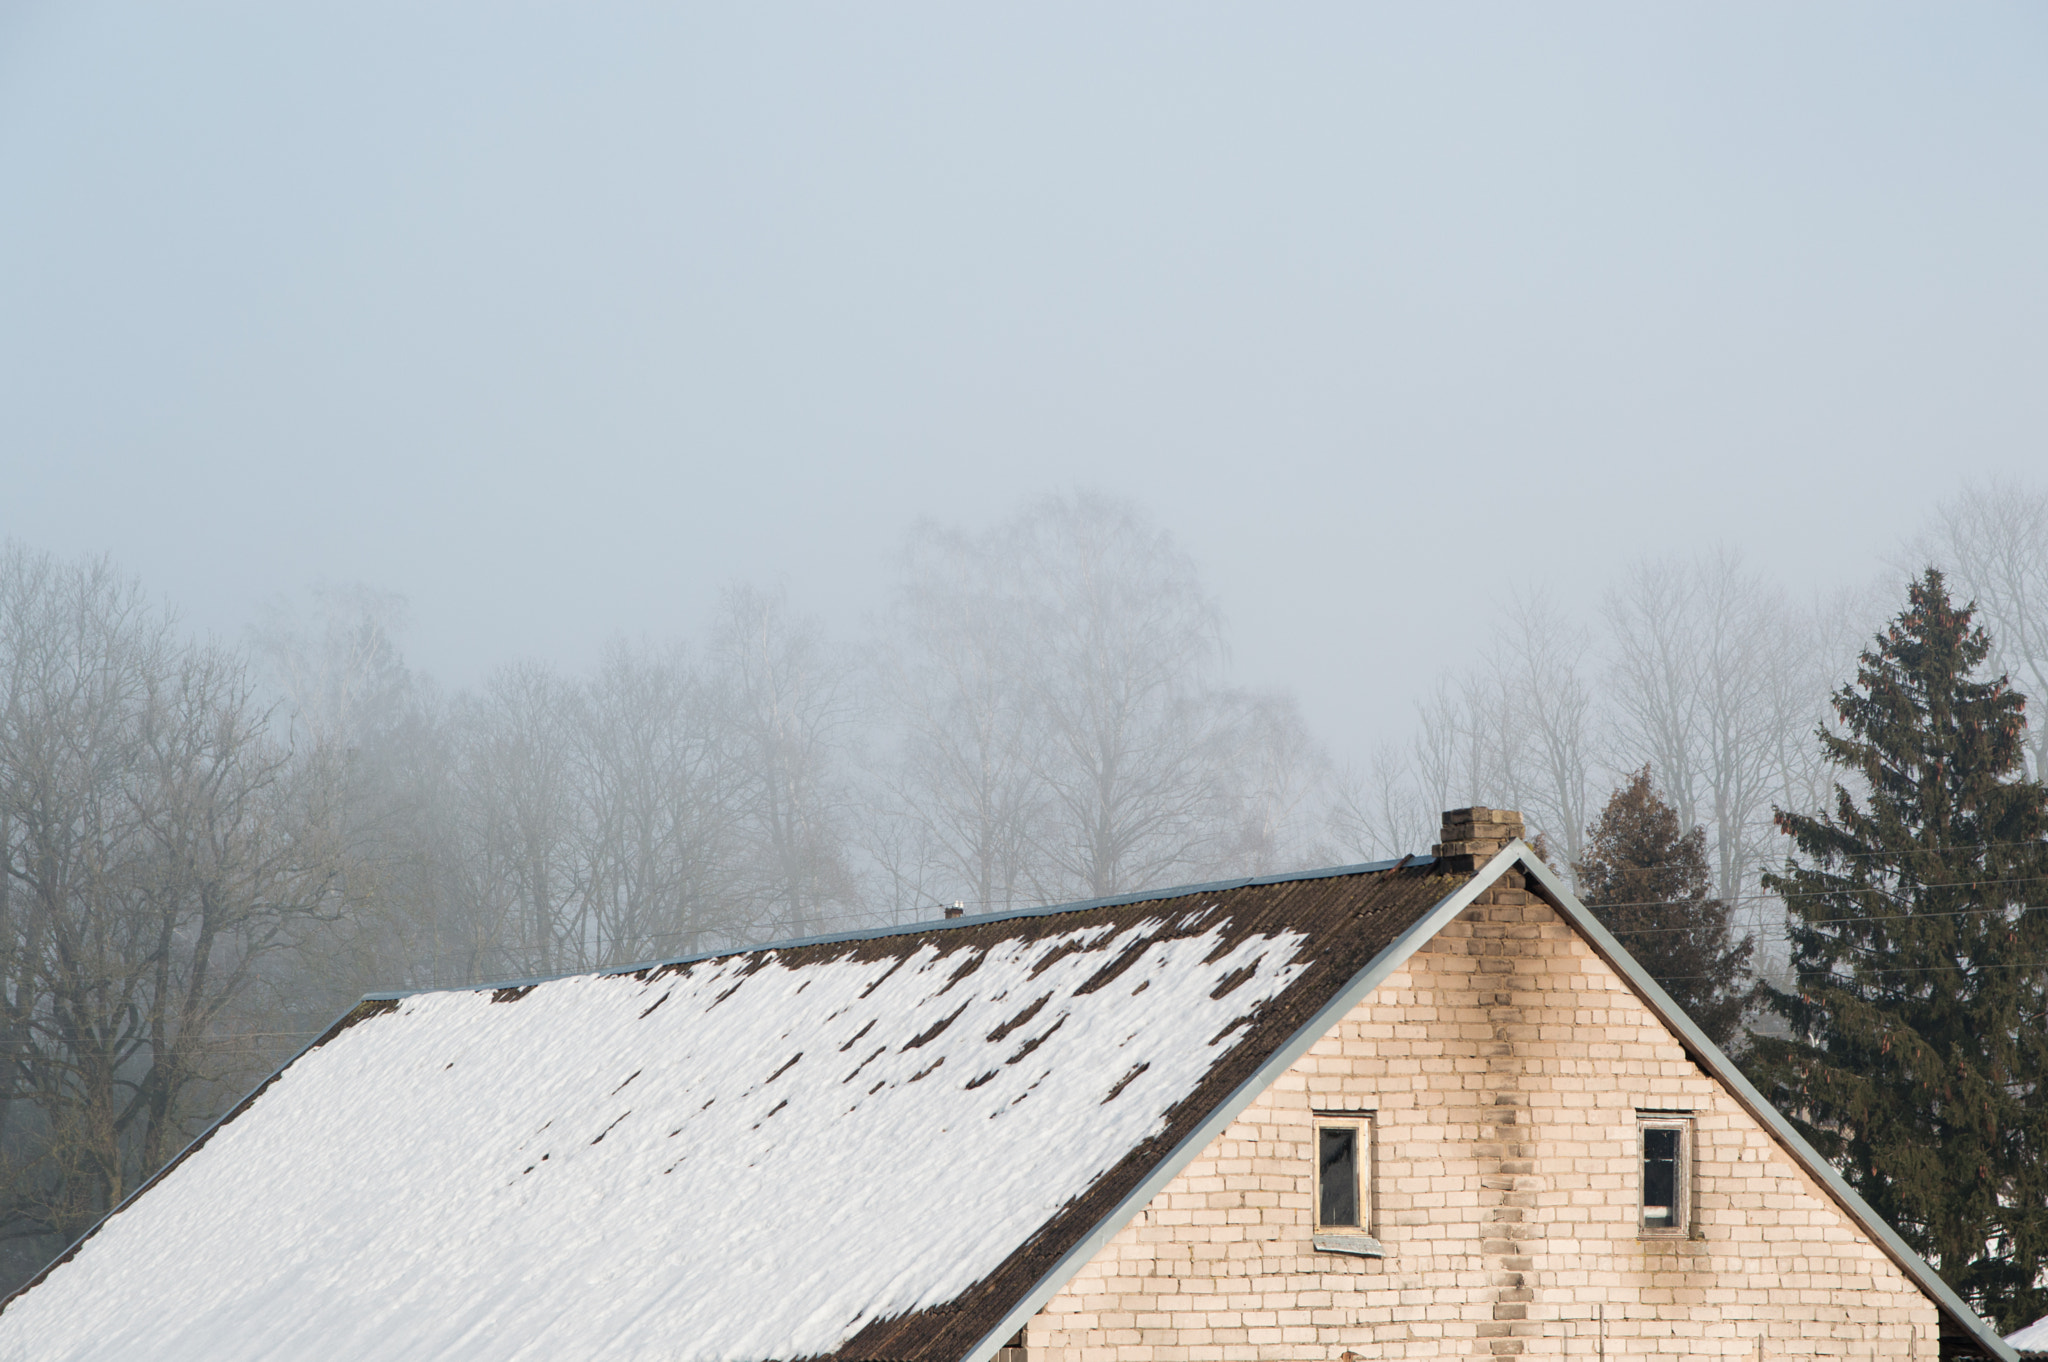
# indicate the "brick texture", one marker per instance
pixel 1505 1066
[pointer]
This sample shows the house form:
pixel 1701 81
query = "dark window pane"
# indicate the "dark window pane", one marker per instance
pixel 1660 1179
pixel 1339 1153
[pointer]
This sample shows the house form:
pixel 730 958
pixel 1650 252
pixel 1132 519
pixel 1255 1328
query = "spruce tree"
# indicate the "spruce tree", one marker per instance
pixel 1916 1046
pixel 1647 881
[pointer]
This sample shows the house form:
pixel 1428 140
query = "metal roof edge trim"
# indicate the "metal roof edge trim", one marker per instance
pixel 1360 986
pixel 1718 1064
pixel 922 925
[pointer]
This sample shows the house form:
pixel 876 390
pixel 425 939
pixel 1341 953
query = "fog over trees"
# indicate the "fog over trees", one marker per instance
pixel 208 851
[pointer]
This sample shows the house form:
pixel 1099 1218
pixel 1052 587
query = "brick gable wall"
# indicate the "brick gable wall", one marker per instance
pixel 1506 1064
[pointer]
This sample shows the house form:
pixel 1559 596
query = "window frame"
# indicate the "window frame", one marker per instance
pixel 1360 1124
pixel 1681 1226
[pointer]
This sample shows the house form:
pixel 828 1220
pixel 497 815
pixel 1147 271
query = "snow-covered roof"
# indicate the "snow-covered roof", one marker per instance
pixel 2033 1338
pixel 864 1147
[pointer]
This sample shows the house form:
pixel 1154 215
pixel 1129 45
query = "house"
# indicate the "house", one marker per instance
pixel 1425 1108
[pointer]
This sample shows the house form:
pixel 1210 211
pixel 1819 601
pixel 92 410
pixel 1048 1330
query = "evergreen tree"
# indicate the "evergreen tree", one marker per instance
pixel 1647 881
pixel 1918 945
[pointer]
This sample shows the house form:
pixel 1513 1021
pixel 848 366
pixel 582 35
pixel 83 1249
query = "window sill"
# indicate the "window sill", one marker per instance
pixel 1357 1245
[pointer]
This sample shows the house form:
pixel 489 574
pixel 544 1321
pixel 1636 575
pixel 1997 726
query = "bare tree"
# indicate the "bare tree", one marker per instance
pixel 157 852
pixel 660 791
pixel 1515 730
pixel 1065 727
pixel 1384 810
pixel 1280 786
pixel 1746 645
pixel 515 848
pixel 1701 687
pixel 1542 662
pixel 1471 744
pixel 1652 685
pixel 1123 668
pixel 334 660
pixel 793 714
pixel 399 797
pixel 1993 541
pixel 1817 653
pixel 964 802
pixel 373 738
pixel 548 823
pixel 1445 777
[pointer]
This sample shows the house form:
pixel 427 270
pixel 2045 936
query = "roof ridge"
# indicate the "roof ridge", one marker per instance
pixel 921 925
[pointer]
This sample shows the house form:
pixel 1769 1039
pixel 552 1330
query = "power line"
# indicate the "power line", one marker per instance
pixel 1895 969
pixel 1819 922
pixel 1959 846
pixel 1767 896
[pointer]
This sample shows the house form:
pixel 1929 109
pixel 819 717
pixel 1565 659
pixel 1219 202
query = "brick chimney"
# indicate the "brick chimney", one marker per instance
pixel 1472 836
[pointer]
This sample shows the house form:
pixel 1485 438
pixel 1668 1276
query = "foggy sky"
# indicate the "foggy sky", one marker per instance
pixel 558 319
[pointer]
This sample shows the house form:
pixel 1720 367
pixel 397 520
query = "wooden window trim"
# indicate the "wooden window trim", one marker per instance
pixel 1361 1124
pixel 1683 1193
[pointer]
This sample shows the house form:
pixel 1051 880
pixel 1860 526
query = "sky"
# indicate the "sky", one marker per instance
pixel 560 318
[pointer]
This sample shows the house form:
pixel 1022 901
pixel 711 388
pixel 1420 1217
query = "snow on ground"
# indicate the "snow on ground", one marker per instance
pixel 656 1168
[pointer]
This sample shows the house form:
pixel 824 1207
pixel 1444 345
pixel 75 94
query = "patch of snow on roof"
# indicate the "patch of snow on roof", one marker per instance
pixel 2033 1338
pixel 738 1161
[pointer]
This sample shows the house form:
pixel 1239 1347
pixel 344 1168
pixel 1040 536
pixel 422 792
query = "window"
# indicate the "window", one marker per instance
pixel 1664 1143
pixel 1343 1194
pixel 1343 1173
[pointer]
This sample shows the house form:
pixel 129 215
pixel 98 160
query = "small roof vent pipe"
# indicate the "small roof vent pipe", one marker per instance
pixel 958 909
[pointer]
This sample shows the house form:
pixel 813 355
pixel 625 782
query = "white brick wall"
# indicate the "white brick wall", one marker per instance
pixel 1506 1065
